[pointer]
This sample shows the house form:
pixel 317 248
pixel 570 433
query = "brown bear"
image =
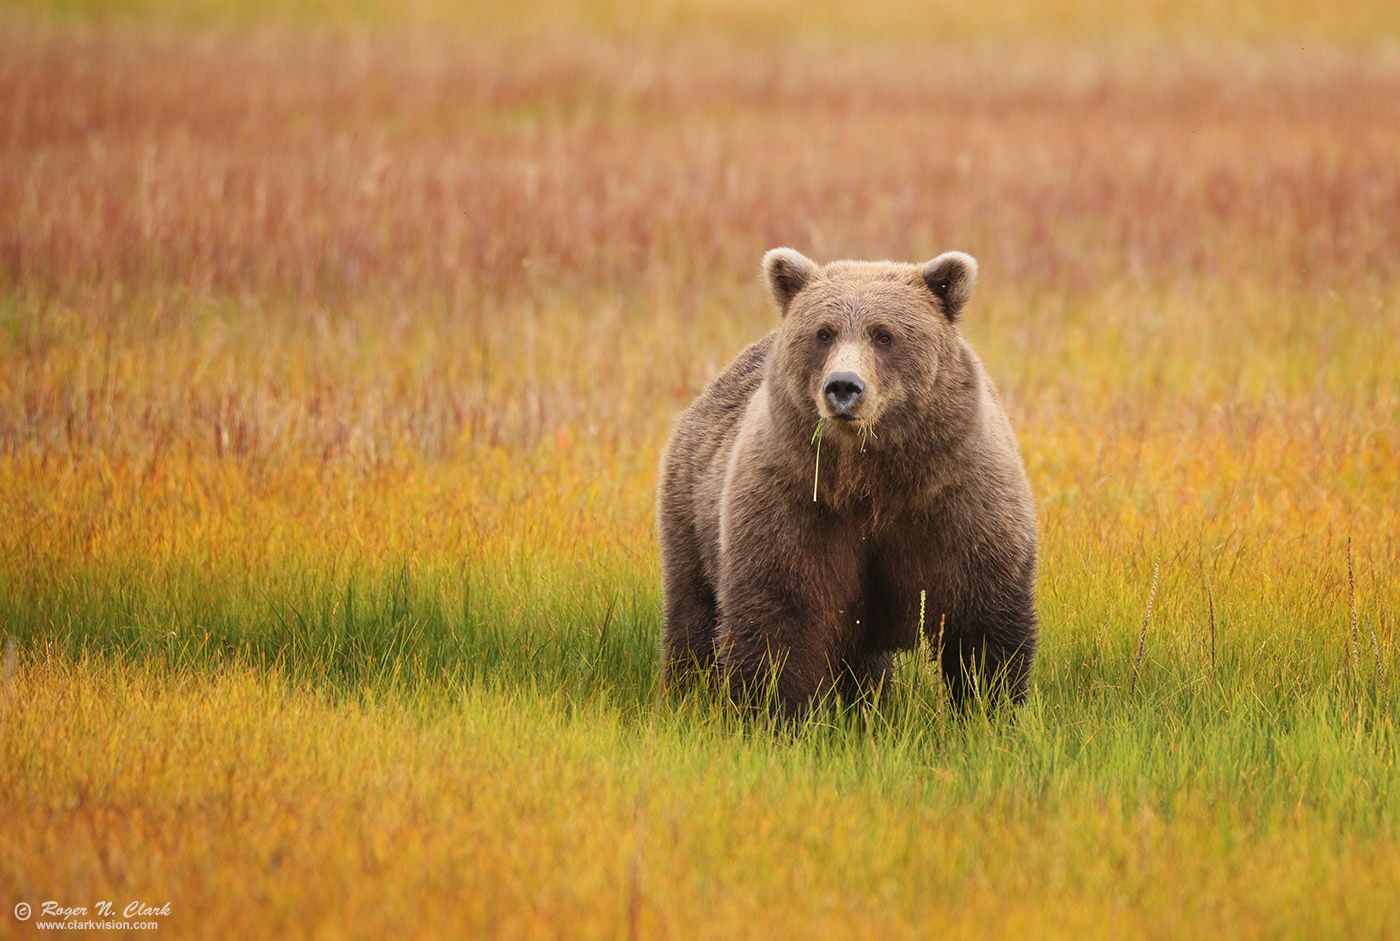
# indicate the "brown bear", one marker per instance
pixel 849 464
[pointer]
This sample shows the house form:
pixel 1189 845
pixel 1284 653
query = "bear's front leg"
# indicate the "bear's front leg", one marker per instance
pixel 789 581
pixel 690 622
pixel 778 658
pixel 862 679
pixel 987 656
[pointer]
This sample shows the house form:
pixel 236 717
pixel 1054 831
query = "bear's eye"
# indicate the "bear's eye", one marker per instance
pixel 823 336
pixel 883 338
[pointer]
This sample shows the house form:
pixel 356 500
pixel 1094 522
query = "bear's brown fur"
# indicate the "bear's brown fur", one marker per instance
pixel 919 488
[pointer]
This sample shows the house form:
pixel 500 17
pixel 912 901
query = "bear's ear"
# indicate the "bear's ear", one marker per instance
pixel 787 272
pixel 951 277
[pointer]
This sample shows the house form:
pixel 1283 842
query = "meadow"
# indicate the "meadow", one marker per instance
pixel 338 345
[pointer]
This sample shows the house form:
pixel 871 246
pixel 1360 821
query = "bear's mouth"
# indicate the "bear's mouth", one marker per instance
pixel 852 415
pixel 853 423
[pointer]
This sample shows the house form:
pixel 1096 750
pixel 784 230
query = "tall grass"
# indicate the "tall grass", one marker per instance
pixel 337 348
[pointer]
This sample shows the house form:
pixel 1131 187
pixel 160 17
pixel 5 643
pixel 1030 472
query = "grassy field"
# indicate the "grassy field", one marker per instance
pixel 338 344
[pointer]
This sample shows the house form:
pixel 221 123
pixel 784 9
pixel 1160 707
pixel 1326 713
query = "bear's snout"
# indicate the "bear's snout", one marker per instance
pixel 843 390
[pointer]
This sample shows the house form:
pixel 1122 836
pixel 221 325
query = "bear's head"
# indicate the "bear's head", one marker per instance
pixel 870 347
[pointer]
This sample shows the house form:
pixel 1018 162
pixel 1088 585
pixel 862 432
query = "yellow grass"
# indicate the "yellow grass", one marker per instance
pixel 482 816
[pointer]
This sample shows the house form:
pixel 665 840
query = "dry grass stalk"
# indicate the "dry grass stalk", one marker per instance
pixel 1380 670
pixel 1355 645
pixel 1210 606
pixel 1351 592
pixel 8 682
pixel 1142 638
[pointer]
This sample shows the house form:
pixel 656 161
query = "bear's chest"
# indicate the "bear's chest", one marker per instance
pixel 908 578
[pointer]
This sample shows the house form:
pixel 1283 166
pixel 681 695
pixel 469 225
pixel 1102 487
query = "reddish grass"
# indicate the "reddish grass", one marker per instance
pixel 377 246
pixel 441 169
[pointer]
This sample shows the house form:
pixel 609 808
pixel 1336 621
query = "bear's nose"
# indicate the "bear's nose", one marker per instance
pixel 843 390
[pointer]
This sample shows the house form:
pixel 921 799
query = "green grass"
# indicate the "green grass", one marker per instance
pixel 409 630
pixel 536 773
